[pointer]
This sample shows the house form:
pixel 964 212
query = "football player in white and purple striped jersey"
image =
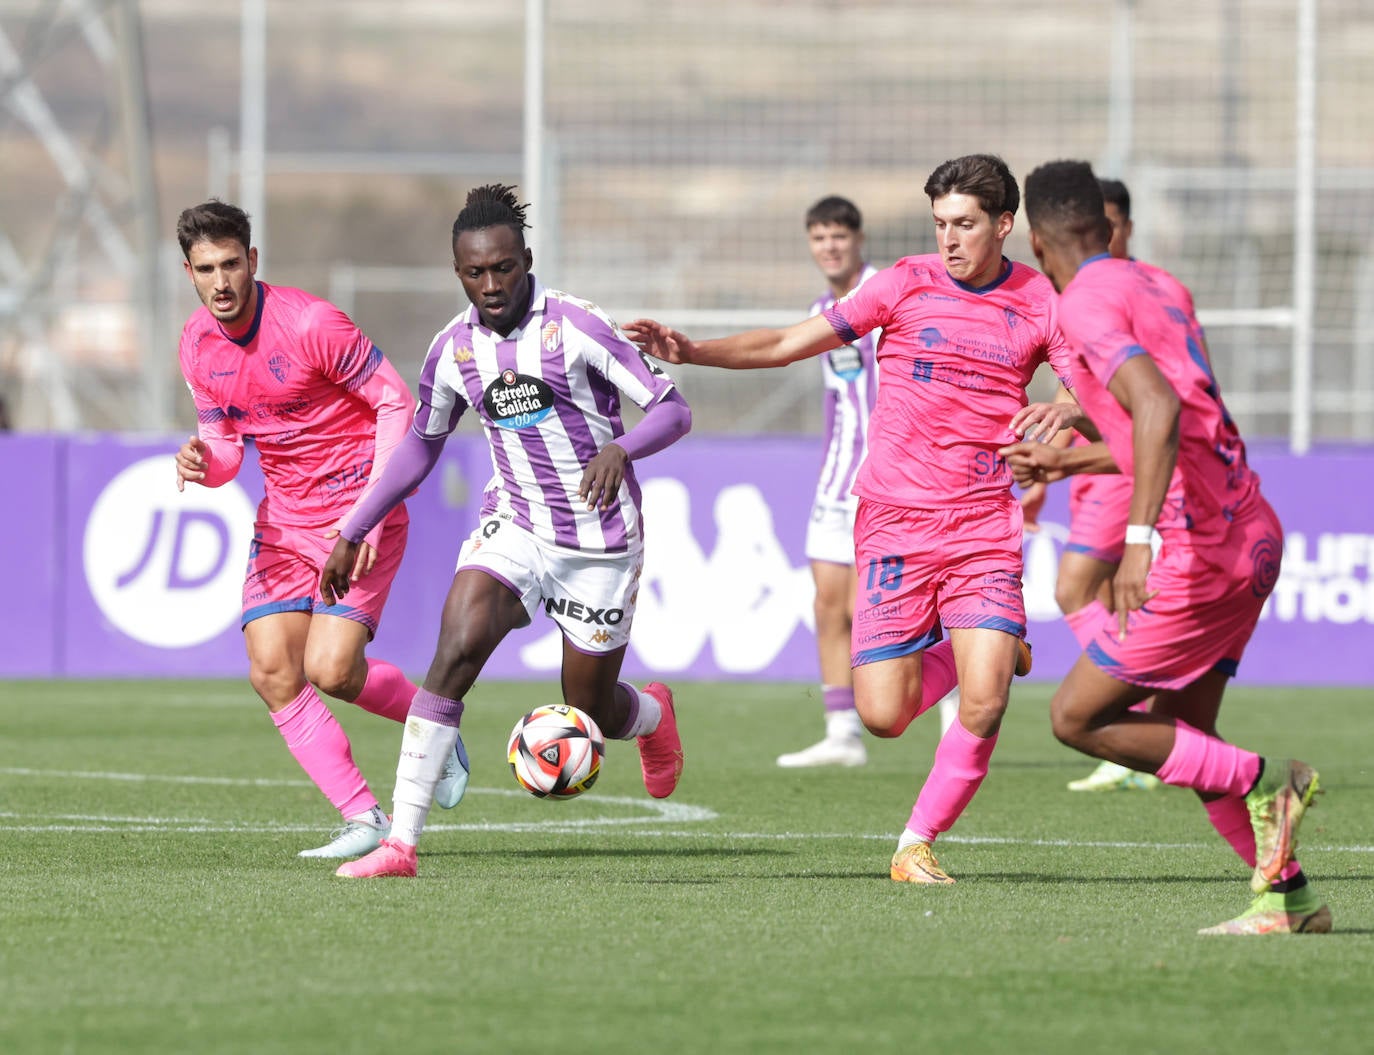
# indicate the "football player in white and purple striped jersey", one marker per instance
pixel 835 236
pixel 560 523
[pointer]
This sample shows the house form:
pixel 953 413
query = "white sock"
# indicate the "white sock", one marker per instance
pixel 373 818
pixel 907 838
pixel 646 718
pixel 425 748
pixel 949 710
pixel 843 725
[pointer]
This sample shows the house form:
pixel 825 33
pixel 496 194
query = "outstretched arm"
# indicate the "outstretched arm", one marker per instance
pixel 751 350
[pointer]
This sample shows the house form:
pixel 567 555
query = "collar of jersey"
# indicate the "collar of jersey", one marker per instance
pixel 1094 259
pixel 246 338
pixel 1006 274
pixel 536 307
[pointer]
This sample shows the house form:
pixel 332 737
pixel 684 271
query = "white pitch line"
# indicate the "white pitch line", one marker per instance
pixel 660 809
pixel 89 823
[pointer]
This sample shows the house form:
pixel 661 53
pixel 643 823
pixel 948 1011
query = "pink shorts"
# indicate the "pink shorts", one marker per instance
pixel 1099 506
pixel 919 568
pixel 1208 603
pixel 284 565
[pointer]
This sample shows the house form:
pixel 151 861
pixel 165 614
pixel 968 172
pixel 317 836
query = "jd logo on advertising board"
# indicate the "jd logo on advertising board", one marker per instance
pixel 166 567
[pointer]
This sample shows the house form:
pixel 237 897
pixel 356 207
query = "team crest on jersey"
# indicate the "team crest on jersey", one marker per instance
pixel 462 354
pixel 517 401
pixel 551 335
pixel 280 367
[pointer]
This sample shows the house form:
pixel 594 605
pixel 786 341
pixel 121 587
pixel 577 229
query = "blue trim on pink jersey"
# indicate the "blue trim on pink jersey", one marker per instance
pixel 840 325
pixel 247 338
pixel 363 376
pixel 1095 258
pixel 1006 274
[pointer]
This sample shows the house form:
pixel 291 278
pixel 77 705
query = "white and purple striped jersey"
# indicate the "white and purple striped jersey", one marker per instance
pixel 548 397
pixel 851 387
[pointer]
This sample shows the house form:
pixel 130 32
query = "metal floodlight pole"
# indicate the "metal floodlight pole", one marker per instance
pixel 133 95
pixel 1304 229
pixel 1121 100
pixel 253 121
pixel 532 182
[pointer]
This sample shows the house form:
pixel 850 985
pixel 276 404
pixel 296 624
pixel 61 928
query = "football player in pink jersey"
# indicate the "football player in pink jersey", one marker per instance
pixel 938 532
pixel 324 408
pixel 560 524
pixel 1181 619
pixel 1099 504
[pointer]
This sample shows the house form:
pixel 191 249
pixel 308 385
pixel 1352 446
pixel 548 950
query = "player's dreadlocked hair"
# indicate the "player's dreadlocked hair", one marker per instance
pixel 492 205
pixel 1064 199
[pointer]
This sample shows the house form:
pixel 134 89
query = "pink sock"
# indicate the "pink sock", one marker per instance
pixel 386 691
pixel 938 674
pixel 961 763
pixel 1231 819
pixel 1204 763
pixel 320 745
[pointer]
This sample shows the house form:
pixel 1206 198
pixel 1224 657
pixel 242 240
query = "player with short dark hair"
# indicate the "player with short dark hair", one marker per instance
pixel 560 525
pixel 1099 505
pixel 938 533
pixel 324 409
pixel 835 237
pixel 1182 618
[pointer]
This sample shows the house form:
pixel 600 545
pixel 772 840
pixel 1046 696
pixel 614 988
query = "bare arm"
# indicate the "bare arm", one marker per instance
pixel 1153 405
pixel 751 350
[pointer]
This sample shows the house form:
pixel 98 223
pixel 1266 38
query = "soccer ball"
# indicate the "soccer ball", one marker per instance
pixel 555 751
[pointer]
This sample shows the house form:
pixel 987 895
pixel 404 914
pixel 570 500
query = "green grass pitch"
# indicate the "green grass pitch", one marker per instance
pixel 151 899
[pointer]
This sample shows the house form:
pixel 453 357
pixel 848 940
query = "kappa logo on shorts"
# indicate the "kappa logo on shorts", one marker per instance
pixel 517 401
pixel 600 637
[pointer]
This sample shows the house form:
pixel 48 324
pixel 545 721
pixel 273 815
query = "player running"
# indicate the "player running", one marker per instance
pixel 1099 504
pixel 324 408
pixel 1181 619
pixel 938 533
pixel 560 524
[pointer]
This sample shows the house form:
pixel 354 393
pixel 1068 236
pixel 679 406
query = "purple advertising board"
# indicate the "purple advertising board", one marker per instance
pixel 119 574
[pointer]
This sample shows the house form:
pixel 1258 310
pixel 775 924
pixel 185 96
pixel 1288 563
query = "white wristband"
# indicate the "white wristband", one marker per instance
pixel 1139 534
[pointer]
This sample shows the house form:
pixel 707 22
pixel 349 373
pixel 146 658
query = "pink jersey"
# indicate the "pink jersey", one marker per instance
pixel 289 383
pixel 954 361
pixel 1115 309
